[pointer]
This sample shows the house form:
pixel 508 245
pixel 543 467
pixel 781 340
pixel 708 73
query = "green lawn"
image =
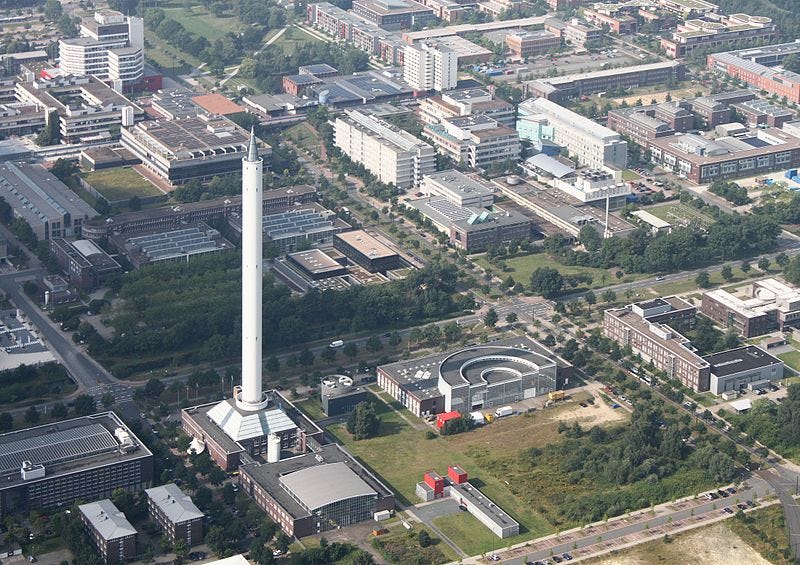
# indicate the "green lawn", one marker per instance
pixel 121 184
pixel 167 57
pixel 523 266
pixel 675 213
pixel 792 359
pixel 688 284
pixel 628 174
pixel 311 407
pixel 468 533
pixel 200 22
pixel 292 38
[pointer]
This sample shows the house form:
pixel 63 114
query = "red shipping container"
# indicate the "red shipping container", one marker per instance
pixel 457 474
pixel 435 481
pixel 445 416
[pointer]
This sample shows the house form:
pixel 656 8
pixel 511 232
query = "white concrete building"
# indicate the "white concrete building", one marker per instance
pixel 430 65
pixel 477 141
pixel 458 188
pixel 391 154
pixel 588 142
pixel 110 47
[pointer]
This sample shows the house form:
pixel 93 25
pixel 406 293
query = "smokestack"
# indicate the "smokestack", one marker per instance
pixel 251 397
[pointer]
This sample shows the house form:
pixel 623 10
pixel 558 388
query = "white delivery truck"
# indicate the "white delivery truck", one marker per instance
pixel 503 411
pixel 335 344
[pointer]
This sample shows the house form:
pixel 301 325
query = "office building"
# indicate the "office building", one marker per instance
pixel 476 141
pixel 736 30
pixel 366 251
pixel 86 265
pixel 762 307
pixel 565 87
pixel 393 14
pixel 181 245
pixel 576 33
pixel 688 8
pixel 612 17
pixel 458 188
pixel 176 514
pixel 298 227
pixel 35 195
pixel 481 231
pixel 429 65
pixel 474 378
pixel 183 149
pixel 315 492
pixel 760 67
pixel 643 123
pixel 463 102
pixel 588 142
pixel 704 161
pixel 742 367
pixel 648 328
pixel 173 217
pixel 339 395
pixel 20 118
pixel 110 47
pixel 394 156
pixel 524 44
pixel 760 113
pixel 87 110
pixel 595 186
pixel 110 532
pixel 87 458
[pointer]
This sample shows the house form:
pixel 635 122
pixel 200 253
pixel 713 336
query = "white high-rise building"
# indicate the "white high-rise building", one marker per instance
pixel 110 47
pixel 391 154
pixel 430 66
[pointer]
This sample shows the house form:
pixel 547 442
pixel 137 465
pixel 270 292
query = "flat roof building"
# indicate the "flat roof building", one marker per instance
pixel 87 265
pixel 736 30
pixel 643 327
pixel 316 264
pixel 48 205
pixel 587 141
pixel 474 378
pixel 475 140
pixel 393 14
pixel 735 369
pixel 760 67
pixel 394 156
pixel 86 458
pixel 199 147
pixel 762 307
pixel 365 250
pixel 340 395
pixel 176 514
pixel 458 188
pixel 704 161
pixel 524 44
pixel 181 245
pixel 317 491
pixel 110 531
pixel 463 102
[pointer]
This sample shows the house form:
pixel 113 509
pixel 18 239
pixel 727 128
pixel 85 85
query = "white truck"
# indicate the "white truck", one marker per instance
pixel 336 343
pixel 503 411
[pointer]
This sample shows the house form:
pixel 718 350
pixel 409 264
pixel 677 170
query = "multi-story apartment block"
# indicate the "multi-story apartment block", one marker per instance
pixel 430 65
pixel 175 512
pixel 394 156
pixel 476 141
pixel 524 44
pixel 459 103
pixel 110 532
pixel 769 305
pixel 110 47
pixel 587 141
pixel 644 123
pixel 612 18
pixel 644 328
pixel 577 33
pixel 736 30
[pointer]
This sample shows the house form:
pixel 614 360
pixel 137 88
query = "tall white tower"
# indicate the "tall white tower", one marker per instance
pixel 251 397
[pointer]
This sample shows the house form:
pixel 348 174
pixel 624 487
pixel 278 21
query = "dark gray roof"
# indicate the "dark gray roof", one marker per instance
pixel 740 359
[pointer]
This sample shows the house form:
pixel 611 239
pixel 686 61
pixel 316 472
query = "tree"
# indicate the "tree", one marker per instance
pixel 108 400
pixel 180 548
pixel 727 273
pixel 791 63
pixel 424 538
pixel 745 266
pixel 306 357
pixel 261 554
pixel 491 318
pixel 702 279
pixel 84 405
pixel 272 364
pixel 282 542
pixel 609 296
pixel 59 411
pixel 782 259
pixel 590 297
pixel 547 282
pixel 350 349
pixel 6 422
pixel 763 264
pixel 363 422
pixel 32 415
pixel 373 343
pixel 154 388
pixel 216 476
pixel 511 318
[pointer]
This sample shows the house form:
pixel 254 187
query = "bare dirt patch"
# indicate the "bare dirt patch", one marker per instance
pixel 716 545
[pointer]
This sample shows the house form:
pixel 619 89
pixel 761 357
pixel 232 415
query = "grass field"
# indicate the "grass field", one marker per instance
pixel 401 454
pixel 166 56
pixel 294 37
pixel 200 22
pixel 792 359
pixel 628 174
pixel 523 266
pixel 765 531
pixel 688 285
pixel 466 532
pixel 121 184
pixel 676 213
pixel 311 407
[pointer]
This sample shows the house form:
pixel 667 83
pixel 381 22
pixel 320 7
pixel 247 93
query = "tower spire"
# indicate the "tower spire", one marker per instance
pixel 252 149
